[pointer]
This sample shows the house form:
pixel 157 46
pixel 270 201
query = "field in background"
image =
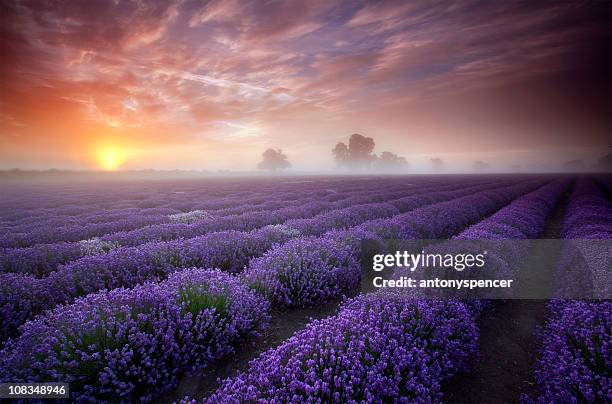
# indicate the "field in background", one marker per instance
pixel 152 290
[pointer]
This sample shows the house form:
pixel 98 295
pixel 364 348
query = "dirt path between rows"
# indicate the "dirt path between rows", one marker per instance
pixel 283 325
pixel 508 335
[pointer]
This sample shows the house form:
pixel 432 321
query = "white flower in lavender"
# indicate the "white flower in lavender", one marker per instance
pixel 95 246
pixel 289 231
pixel 190 217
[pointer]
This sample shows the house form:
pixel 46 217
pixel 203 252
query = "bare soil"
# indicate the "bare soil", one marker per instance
pixel 509 344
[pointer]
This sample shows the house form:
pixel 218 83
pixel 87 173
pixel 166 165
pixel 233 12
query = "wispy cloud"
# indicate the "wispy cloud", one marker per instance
pixel 183 73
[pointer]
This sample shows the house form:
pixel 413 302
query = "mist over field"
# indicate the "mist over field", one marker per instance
pixel 189 85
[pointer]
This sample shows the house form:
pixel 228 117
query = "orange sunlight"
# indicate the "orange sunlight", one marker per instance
pixel 110 158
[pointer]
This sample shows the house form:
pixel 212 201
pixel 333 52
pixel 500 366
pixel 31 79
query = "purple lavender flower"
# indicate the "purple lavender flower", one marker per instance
pixel 380 347
pixel 304 271
pixel 228 250
pixel 575 364
pixel 129 344
pixel 576 359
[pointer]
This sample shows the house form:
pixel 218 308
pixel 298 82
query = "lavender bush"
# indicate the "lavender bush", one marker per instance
pixel 41 259
pixel 116 344
pixel 589 213
pixel 310 270
pixel 444 219
pixel 575 362
pixel 126 267
pixel 379 348
pixel 524 218
pixel 575 365
pixel 132 344
pixel 305 271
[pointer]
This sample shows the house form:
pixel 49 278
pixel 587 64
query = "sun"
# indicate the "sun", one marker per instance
pixel 110 158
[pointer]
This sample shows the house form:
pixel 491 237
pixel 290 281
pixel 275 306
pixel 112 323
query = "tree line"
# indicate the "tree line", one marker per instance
pixel 358 155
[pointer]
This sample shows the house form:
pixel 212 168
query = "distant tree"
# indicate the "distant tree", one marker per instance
pixel 273 160
pixel 436 163
pixel 480 165
pixel 341 154
pixel 391 162
pixel 360 150
pixel 358 153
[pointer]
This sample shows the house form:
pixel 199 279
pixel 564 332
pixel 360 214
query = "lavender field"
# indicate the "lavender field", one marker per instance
pixel 248 290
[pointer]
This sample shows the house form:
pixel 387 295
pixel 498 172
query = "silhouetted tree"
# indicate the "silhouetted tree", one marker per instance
pixel 391 162
pixel 358 153
pixel 436 163
pixel 341 154
pixel 273 160
pixel 360 150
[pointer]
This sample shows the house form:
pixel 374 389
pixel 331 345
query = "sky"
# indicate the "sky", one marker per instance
pixel 186 84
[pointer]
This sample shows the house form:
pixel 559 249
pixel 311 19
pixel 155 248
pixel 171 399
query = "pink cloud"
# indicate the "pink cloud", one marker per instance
pixel 171 71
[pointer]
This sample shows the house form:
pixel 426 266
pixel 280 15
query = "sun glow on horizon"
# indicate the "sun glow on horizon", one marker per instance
pixel 110 158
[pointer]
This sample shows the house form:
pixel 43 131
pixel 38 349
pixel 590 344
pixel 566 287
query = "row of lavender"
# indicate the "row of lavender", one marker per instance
pixel 90 225
pixel 142 339
pixel 125 344
pixel 300 272
pixel 44 258
pixel 22 296
pixel 31 203
pixel 34 205
pixel 384 346
pixel 576 359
